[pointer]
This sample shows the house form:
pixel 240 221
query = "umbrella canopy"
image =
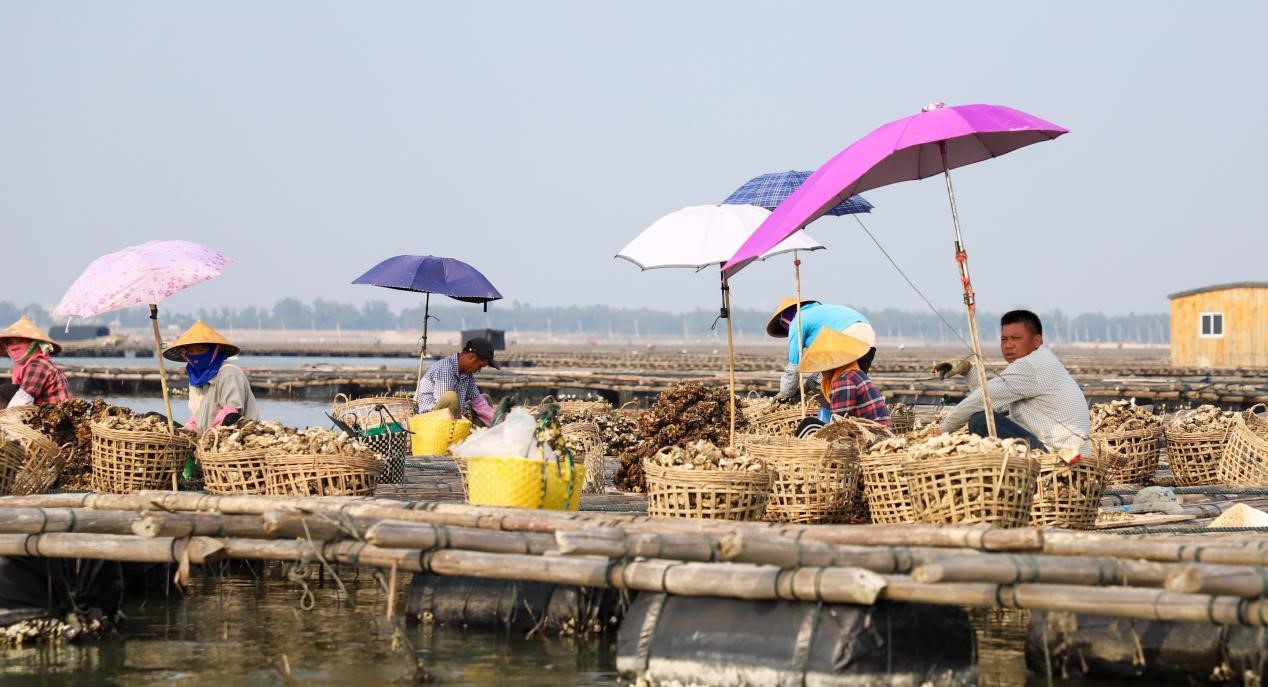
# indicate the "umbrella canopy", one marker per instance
pixel 769 190
pixel 139 275
pixel 431 274
pixel 704 235
pixel 936 140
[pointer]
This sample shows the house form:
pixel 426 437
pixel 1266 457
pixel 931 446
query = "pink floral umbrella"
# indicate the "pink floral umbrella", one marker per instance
pixel 141 275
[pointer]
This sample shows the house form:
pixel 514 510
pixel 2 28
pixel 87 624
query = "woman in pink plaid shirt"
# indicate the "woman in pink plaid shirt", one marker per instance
pixel 38 380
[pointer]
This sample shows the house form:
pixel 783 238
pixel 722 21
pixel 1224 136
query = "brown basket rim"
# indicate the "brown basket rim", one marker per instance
pixel 303 459
pixel 142 436
pixel 1214 434
pixel 1128 434
pixel 699 477
pixel 37 438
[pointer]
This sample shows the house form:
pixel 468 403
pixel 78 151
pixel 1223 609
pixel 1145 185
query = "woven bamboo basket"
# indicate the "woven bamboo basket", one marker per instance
pixel 16 415
pixel 44 460
pixel 234 472
pixel 124 460
pixel 972 488
pixel 362 413
pixel 1129 457
pixel 814 481
pixel 1194 457
pixel 885 487
pixel 462 472
pixel 321 475
pixel 586 441
pixel 782 421
pixel 1067 496
pixel 706 494
pixel 904 418
pixel 12 456
pixel 1245 459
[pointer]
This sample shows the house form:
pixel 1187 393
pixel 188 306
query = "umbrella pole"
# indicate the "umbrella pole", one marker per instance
pixel 970 301
pixel 167 399
pixel 801 378
pixel 423 356
pixel 730 352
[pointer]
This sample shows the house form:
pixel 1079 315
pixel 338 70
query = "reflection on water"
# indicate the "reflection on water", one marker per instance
pixel 246 631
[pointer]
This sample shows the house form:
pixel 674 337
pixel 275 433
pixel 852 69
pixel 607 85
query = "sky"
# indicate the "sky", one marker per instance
pixel 309 140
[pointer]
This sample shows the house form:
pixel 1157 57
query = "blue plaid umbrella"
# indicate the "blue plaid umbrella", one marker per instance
pixel 769 190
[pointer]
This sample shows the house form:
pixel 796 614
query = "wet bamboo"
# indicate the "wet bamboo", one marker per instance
pixel 1223 580
pixel 112 547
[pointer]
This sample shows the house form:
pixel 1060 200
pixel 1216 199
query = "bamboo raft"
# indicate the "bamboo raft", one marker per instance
pixel 1220 579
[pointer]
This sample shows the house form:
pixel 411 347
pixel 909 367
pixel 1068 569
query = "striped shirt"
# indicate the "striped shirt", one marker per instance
pixel 444 375
pixel 1038 394
pixel 854 395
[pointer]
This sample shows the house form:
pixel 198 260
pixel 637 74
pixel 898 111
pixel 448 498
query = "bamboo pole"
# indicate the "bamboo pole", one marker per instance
pixel 801 345
pixel 1014 569
pixel 730 348
pixel 113 547
pixel 1222 580
pixel 167 398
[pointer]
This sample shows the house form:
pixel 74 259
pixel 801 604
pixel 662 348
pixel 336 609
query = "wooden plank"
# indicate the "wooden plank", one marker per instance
pixel 1144 520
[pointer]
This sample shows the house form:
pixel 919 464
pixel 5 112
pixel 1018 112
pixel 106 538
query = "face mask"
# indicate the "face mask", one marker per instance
pixel 18 350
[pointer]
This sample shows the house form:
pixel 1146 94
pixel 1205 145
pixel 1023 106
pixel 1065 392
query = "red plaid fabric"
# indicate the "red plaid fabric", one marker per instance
pixel 45 382
pixel 854 395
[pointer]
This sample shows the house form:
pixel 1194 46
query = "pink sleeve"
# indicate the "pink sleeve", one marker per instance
pixel 482 409
pixel 220 416
pixel 192 425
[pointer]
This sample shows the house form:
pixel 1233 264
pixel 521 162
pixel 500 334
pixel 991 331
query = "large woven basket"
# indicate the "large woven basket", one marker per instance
pixel 43 464
pixel 321 475
pixel 972 488
pixel 363 413
pixel 1245 459
pixel 16 414
pixel 1130 457
pixel 781 421
pixel 814 481
pixel 885 487
pixel 706 494
pixel 585 439
pixel 1194 457
pixel 12 455
pixel 1067 496
pixel 124 460
pixel 234 472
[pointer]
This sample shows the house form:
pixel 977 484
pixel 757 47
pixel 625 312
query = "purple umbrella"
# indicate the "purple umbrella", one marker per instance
pixel 935 141
pixel 430 274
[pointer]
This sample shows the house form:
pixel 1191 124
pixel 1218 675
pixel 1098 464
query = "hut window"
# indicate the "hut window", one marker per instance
pixel 1212 324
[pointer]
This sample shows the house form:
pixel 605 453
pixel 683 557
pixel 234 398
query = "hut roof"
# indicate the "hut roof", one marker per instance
pixel 1221 287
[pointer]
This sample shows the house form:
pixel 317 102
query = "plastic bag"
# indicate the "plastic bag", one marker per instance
pixel 513 437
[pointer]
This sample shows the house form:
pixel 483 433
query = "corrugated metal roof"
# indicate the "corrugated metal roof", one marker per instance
pixel 1221 287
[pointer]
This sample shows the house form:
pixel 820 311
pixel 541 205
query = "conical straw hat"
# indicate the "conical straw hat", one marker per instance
pixel 775 326
pixel 24 328
pixel 199 333
pixel 831 349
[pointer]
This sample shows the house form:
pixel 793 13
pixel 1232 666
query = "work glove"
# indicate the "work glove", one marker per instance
pixel 950 368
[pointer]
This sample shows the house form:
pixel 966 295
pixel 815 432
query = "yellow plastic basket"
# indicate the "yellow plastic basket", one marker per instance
pixel 434 433
pixel 524 483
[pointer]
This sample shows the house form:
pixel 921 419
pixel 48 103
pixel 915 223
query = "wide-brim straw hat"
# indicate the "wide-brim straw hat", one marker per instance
pixel 24 328
pixel 775 326
pixel 831 349
pixel 199 333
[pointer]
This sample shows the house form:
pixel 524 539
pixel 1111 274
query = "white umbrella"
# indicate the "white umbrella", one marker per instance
pixel 699 236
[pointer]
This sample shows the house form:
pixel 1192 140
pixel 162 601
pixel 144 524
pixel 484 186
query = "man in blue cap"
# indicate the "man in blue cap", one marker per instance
pixel 450 383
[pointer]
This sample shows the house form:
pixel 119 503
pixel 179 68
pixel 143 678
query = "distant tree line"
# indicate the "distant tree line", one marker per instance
pixel 600 321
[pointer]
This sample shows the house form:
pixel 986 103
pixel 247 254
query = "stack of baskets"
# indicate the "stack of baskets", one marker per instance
pixel 126 460
pixel 1067 495
pixel 814 481
pixel 1245 459
pixel 1130 456
pixel 986 486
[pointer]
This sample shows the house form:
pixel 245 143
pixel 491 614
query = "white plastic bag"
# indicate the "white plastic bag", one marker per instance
pixel 512 437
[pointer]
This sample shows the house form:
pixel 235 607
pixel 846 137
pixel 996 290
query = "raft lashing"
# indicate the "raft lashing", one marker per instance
pixel 734 603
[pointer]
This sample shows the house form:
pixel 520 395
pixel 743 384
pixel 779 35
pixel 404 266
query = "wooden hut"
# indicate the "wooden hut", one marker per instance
pixel 1221 326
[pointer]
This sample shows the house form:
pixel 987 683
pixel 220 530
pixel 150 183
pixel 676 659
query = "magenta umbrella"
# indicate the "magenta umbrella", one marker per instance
pixel 935 141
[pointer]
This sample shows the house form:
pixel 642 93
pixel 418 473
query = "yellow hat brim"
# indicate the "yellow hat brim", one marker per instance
pixel 198 333
pixel 831 349
pixel 24 328
pixel 775 325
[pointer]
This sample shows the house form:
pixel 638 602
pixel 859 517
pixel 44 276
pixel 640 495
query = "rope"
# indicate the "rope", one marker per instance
pixel 1194 529
pixel 1244 491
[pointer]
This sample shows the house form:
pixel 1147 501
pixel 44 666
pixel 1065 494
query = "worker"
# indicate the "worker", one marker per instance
pixel 219 392
pixel 38 380
pixel 450 383
pixel 1044 405
pixel 814 317
pixel 846 386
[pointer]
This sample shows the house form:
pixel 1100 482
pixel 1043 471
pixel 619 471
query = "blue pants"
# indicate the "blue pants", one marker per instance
pixel 1004 428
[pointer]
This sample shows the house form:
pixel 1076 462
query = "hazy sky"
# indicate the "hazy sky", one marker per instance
pixel 308 140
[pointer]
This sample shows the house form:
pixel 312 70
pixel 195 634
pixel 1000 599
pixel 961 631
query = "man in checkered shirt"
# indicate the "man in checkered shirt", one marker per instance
pixel 450 383
pixel 1045 405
